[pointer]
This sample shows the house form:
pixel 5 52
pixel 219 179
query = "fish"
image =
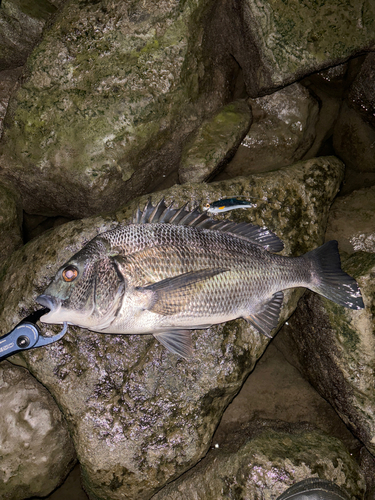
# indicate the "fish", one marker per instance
pixel 227 204
pixel 169 271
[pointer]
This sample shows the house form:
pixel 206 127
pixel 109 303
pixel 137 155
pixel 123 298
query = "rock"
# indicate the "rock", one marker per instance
pixel 36 451
pixel 140 416
pixel 277 43
pixel 334 349
pixel 283 130
pixel 354 133
pixel 351 221
pixel 329 88
pixel 261 462
pixel 10 220
pixel 276 391
pixel 113 91
pixel 21 25
pixel 8 81
pixel 215 143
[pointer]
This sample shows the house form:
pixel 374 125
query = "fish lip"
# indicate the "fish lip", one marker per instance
pixel 46 301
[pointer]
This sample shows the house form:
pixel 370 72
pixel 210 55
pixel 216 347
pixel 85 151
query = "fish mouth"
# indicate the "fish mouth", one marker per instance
pixel 48 302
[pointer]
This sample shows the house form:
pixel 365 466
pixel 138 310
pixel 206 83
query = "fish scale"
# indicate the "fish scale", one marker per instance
pixel 172 270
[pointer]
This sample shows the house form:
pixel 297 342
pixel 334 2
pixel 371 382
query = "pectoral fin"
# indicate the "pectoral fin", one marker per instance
pixel 178 342
pixel 267 317
pixel 172 295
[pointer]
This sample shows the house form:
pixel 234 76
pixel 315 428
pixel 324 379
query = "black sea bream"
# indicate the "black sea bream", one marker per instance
pixel 171 271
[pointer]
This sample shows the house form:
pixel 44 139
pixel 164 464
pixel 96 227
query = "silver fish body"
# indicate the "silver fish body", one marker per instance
pixel 171 271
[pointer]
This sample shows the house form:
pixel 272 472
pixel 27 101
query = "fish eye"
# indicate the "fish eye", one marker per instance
pixel 207 205
pixel 70 273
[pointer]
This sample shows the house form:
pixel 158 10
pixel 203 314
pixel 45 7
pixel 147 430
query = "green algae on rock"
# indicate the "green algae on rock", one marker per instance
pixel 215 143
pixel 111 93
pixel 21 25
pixel 288 39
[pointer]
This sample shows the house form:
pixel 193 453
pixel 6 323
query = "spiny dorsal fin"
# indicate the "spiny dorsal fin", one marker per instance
pixel 257 235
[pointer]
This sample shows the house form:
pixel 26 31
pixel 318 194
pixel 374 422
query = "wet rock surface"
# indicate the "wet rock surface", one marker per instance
pixel 334 349
pixel 36 451
pixel 276 43
pixel 283 130
pixel 215 143
pixel 264 463
pixel 110 95
pixel 118 99
pixel 140 416
pixel 21 25
pixel 351 221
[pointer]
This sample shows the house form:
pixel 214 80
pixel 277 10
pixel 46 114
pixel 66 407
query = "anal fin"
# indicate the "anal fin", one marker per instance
pixel 267 317
pixel 177 342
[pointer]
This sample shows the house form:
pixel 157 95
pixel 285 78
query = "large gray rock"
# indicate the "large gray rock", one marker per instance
pixel 278 42
pixel 334 349
pixel 36 451
pixel 21 25
pixel 352 221
pixel 262 462
pixel 283 130
pixel 113 91
pixel 140 416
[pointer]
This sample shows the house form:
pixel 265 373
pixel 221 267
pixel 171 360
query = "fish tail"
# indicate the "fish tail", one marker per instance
pixel 329 280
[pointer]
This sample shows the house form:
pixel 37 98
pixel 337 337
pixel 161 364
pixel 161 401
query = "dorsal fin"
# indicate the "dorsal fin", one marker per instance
pixel 257 235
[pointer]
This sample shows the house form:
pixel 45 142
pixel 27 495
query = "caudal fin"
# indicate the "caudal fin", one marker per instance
pixel 330 280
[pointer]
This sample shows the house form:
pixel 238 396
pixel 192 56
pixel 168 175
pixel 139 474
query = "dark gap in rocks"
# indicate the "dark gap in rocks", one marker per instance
pixel 35 225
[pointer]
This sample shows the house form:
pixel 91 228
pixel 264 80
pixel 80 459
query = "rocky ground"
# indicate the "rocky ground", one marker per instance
pixel 104 105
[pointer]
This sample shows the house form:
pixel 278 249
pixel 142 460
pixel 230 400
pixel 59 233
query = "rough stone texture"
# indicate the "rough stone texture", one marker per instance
pixel 36 451
pixel 351 221
pixel 276 391
pixel 354 133
pixel 277 42
pixel 283 130
pixel 334 349
pixel 21 25
pixel 329 88
pixel 112 92
pixel 260 462
pixel 10 220
pixel 140 416
pixel 353 140
pixel 8 80
pixel 215 143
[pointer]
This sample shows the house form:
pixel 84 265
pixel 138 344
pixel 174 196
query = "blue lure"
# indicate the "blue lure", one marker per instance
pixel 227 204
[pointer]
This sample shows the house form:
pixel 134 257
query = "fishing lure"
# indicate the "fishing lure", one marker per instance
pixel 227 204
